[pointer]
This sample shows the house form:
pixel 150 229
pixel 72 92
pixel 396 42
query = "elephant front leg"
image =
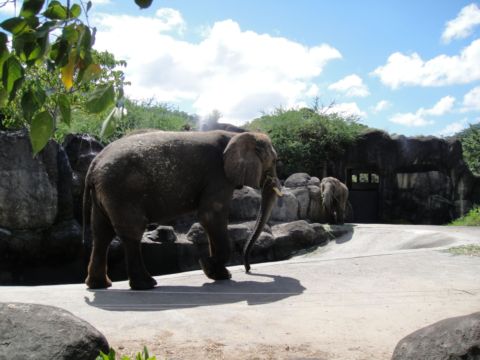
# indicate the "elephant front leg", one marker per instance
pixel 215 226
pixel 138 275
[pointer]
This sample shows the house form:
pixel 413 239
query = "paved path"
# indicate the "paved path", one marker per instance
pixel 352 299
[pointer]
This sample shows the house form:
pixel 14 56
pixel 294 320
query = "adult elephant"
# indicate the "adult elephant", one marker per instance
pixel 157 176
pixel 334 200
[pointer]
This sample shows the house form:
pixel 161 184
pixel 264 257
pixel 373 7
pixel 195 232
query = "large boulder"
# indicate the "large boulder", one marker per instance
pixel 450 339
pixel 296 235
pixel 285 208
pixel 34 191
pixel 245 204
pixel 31 331
pixel 81 149
pixel 301 179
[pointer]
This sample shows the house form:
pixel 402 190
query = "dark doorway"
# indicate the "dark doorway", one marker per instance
pixel 363 188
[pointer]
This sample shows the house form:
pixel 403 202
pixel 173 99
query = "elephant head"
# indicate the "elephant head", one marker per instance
pixel 250 159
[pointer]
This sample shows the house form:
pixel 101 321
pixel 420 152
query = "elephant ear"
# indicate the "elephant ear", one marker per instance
pixel 241 162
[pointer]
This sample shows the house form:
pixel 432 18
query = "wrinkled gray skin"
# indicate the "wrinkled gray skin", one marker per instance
pixel 334 200
pixel 157 176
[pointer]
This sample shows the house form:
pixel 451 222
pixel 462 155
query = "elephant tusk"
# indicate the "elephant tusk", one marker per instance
pixel 277 191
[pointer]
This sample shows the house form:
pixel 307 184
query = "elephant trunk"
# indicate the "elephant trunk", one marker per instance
pixel 270 191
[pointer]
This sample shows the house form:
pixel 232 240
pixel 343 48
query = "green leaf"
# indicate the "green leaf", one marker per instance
pixel 75 11
pixel 111 355
pixel 41 131
pixel 108 125
pixel 32 100
pixel 70 34
pixel 103 356
pixel 93 71
pixel 101 98
pixel 12 76
pixel 65 109
pixel 143 4
pixel 15 25
pixel 31 8
pixel 3 97
pixel 56 11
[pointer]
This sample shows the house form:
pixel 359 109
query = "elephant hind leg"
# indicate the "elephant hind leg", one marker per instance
pixel 139 277
pixel 102 233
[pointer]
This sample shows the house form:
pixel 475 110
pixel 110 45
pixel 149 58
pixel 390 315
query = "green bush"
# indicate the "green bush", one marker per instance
pixel 304 138
pixel 472 218
pixel 470 139
pixel 137 115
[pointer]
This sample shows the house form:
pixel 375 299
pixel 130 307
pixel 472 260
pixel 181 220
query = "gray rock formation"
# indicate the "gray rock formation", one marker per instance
pixel 33 190
pixel 450 339
pixel 31 331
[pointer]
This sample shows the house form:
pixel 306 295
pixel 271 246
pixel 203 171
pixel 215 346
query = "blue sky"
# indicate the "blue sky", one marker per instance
pixel 408 67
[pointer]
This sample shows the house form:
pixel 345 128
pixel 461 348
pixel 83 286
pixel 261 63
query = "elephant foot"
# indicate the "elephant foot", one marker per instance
pixel 98 283
pixel 213 270
pixel 143 283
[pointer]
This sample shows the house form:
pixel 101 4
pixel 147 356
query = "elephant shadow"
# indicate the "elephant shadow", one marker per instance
pixel 209 294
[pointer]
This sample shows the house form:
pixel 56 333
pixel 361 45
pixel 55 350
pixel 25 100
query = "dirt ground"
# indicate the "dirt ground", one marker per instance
pixel 353 299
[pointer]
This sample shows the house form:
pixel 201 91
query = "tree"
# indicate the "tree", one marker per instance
pixel 470 139
pixel 47 59
pixel 305 138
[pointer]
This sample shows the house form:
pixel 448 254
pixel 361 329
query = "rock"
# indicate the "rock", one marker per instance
pixel 161 234
pixel 449 339
pixel 297 180
pixel 303 197
pixel 315 181
pixel 245 204
pixel 81 150
pixel 424 197
pixel 291 237
pixel 23 247
pixel 197 235
pixel 64 241
pixel 31 331
pixel 29 196
pixel 285 208
pixel 315 207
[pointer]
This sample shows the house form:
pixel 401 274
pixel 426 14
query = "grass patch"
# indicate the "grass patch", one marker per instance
pixel 472 218
pixel 144 355
pixel 469 250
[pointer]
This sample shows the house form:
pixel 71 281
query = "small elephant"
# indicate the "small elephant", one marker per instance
pixel 158 176
pixel 334 200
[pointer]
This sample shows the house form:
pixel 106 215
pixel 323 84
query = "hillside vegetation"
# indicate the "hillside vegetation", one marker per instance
pixel 305 138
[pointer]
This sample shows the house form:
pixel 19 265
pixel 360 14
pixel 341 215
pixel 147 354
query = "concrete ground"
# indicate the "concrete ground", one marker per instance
pixel 352 299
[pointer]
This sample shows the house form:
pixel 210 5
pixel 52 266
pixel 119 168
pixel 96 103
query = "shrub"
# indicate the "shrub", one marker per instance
pixel 470 139
pixel 472 218
pixel 304 138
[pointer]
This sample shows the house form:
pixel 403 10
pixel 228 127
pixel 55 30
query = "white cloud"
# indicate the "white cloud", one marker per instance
pixel 443 106
pixel 471 100
pixel 410 119
pixel 420 117
pixel 351 85
pixel 463 25
pixel 403 70
pixel 346 109
pixel 9 9
pixel 381 106
pixel 453 128
pixel 240 73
